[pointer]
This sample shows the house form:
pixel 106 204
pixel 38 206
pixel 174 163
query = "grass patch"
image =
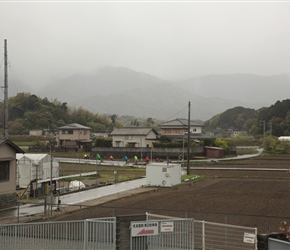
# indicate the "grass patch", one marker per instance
pixel 105 173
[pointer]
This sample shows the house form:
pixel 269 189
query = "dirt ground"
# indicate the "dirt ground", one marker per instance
pixel 245 197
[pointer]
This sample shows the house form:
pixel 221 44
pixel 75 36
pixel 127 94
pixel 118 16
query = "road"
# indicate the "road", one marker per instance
pixel 73 198
pixel 93 162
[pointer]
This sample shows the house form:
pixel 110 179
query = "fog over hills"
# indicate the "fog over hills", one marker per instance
pixel 123 91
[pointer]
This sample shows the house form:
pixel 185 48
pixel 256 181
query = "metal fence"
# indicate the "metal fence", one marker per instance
pixel 88 234
pixel 165 234
pixel 208 235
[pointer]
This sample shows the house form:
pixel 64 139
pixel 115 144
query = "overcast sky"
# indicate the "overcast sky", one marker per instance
pixel 171 40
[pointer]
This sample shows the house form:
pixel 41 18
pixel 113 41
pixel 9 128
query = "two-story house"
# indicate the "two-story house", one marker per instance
pixel 8 169
pixel 178 129
pixel 134 137
pixel 74 136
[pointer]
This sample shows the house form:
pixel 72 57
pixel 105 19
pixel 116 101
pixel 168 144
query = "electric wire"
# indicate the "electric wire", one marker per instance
pixel 177 113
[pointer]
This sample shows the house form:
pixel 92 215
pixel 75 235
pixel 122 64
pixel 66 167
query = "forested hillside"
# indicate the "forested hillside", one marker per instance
pixel 28 112
pixel 274 119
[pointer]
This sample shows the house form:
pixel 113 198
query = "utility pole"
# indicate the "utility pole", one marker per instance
pixel 51 187
pixel 188 139
pixel 264 132
pixel 5 92
pixel 264 138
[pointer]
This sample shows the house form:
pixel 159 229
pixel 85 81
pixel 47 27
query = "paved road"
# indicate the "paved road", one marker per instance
pixel 93 162
pixel 74 198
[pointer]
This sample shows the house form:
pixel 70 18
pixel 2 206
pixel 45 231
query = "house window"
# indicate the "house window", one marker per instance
pixel 128 137
pixel 67 132
pixel 4 170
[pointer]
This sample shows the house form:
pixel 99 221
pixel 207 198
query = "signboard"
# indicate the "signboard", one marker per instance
pixel 166 226
pixel 144 228
pixel 249 238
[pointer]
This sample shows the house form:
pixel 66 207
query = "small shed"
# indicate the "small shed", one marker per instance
pixel 214 152
pixel 33 167
pixel 162 174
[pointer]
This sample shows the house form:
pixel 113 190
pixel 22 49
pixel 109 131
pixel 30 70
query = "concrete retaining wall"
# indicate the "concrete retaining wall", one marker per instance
pixel 8 200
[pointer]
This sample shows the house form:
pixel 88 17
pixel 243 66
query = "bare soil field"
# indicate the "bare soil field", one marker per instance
pixel 253 198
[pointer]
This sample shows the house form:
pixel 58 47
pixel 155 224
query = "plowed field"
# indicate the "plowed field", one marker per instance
pixel 239 194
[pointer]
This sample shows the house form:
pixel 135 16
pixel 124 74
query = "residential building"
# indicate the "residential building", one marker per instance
pixel 178 129
pixel 8 150
pixel 36 132
pixel 234 133
pixel 74 136
pixel 134 137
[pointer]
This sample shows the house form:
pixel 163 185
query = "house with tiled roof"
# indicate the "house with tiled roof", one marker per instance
pixel 178 128
pixel 134 137
pixel 74 136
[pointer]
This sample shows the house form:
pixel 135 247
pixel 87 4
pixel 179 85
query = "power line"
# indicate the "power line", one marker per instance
pixel 185 107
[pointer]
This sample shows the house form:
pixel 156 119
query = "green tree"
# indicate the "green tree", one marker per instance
pixel 221 143
pixel 149 122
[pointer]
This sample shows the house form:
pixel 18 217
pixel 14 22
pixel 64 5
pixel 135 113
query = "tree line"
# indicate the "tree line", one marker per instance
pixel 27 111
pixel 273 120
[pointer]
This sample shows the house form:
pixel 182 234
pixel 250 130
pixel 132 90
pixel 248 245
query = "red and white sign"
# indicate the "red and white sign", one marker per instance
pixel 249 238
pixel 166 226
pixel 144 228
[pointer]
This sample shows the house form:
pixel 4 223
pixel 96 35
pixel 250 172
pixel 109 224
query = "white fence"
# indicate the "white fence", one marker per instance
pixel 88 234
pixel 156 233
pixel 208 235
pixel 165 234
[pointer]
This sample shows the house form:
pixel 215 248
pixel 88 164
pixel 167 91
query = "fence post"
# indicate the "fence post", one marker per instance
pixel 85 234
pixel 18 211
pixel 203 235
pixel 256 240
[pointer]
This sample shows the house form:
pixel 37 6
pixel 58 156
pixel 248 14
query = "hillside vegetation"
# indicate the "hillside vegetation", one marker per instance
pixel 28 111
pixel 275 120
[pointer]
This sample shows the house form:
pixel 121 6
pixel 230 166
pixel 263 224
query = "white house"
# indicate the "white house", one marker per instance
pixel 35 167
pixel 134 137
pixel 35 132
pixel 180 127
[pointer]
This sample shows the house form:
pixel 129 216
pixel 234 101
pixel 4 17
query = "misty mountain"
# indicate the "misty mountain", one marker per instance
pixel 123 91
pixel 253 89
